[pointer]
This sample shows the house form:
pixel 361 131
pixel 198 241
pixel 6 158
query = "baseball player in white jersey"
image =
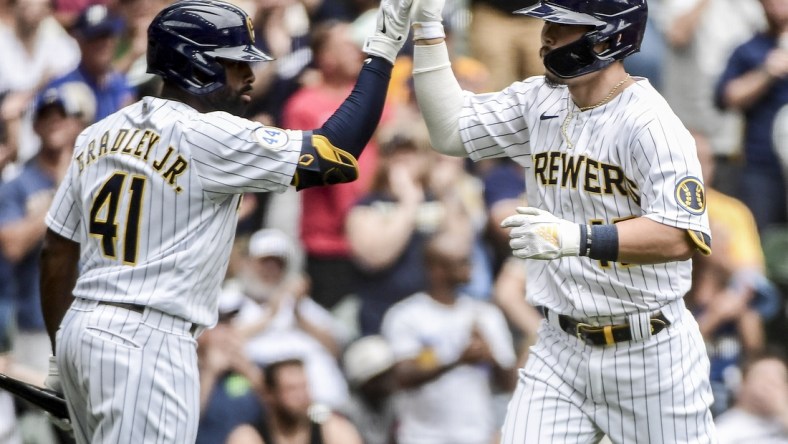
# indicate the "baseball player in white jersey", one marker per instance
pixel 149 207
pixel 617 210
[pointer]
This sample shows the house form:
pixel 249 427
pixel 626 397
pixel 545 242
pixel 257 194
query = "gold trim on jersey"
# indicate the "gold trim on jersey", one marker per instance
pixel 700 241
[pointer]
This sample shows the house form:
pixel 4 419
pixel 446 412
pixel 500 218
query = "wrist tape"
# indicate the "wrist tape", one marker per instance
pixel 428 30
pixel 599 242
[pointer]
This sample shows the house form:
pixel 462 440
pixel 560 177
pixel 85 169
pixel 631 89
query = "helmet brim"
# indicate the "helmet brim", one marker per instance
pixel 246 53
pixel 557 14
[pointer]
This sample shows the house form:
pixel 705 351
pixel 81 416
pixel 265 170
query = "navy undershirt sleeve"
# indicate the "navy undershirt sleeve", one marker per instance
pixel 353 123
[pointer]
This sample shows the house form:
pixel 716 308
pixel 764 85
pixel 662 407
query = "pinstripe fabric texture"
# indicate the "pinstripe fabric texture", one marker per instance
pixel 186 219
pixel 152 195
pixel 627 158
pixel 573 393
pixel 135 375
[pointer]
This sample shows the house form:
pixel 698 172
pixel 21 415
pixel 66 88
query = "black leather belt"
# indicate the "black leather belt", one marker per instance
pixel 137 308
pixel 604 334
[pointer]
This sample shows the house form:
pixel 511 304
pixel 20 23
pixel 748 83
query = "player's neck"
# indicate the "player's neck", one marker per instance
pixel 599 88
pixel 170 92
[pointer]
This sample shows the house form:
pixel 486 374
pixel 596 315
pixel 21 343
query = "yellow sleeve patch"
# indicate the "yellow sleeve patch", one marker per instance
pixel 701 240
pixel 329 152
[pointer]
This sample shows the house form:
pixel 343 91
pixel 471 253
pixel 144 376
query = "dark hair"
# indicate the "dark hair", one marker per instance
pixel 387 149
pixel 271 370
pixel 318 38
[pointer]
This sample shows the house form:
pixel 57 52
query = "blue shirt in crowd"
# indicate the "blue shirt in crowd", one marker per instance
pixel 111 95
pixel 24 274
pixel 760 116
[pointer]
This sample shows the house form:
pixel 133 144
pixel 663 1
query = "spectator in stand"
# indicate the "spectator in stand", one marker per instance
pixel 504 191
pixel 700 36
pixel 59 115
pixel 97 31
pixel 228 394
pixel 744 261
pixel 760 414
pixel 290 416
pixel 369 367
pixel 337 60
pixel 130 56
pixel 522 316
pixel 731 327
pixel 282 31
pixel 278 319
pixel 649 61
pixel 388 227
pixel 452 352
pixel 8 424
pixel 755 82
pixel 34 48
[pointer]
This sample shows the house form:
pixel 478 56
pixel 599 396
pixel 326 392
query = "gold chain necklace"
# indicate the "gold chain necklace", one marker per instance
pixel 571 113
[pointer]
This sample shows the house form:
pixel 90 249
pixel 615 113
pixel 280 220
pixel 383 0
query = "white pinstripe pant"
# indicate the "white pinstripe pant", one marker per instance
pixel 128 377
pixel 652 391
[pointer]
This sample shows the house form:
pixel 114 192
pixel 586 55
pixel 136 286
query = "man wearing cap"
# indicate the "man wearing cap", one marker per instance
pixel 59 115
pixel 369 367
pixel 280 320
pixel 97 31
pixel 453 352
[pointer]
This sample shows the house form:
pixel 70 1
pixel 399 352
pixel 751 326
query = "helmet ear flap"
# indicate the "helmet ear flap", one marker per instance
pixel 575 59
pixel 188 68
pixel 207 74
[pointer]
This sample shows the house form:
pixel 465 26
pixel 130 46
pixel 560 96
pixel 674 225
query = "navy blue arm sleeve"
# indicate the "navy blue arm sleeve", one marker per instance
pixel 353 123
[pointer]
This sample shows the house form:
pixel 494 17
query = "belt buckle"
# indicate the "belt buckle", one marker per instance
pixel 660 322
pixel 579 327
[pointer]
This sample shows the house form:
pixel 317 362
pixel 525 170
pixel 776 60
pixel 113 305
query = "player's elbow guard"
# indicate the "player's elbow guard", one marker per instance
pixel 321 163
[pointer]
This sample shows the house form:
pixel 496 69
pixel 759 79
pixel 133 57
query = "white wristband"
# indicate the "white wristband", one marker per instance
pixel 382 47
pixel 428 30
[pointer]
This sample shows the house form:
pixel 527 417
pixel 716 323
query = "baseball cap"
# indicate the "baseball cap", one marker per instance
pixel 75 99
pixel 366 358
pixel 271 242
pixel 96 21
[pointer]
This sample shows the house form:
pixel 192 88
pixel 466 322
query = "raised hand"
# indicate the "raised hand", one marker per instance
pixel 393 25
pixel 427 16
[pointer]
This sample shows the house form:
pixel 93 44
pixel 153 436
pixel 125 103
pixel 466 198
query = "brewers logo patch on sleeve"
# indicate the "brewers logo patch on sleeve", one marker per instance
pixel 691 195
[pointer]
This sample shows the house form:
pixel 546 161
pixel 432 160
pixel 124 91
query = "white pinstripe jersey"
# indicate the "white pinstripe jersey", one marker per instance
pixel 152 195
pixel 630 157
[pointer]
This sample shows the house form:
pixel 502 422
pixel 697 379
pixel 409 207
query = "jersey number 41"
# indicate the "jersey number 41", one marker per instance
pixel 103 215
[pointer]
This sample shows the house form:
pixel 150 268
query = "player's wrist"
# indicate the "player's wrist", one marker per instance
pixel 431 31
pixel 599 242
pixel 383 47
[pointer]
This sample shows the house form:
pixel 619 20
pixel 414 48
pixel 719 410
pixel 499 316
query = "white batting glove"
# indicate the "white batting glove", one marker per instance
pixel 391 29
pixel 537 234
pixel 427 17
pixel 52 382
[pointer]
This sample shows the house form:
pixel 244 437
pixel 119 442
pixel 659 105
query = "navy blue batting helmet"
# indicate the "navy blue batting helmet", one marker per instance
pixel 187 38
pixel 619 23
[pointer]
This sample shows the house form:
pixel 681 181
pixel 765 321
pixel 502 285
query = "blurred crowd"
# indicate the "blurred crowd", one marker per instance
pixel 389 310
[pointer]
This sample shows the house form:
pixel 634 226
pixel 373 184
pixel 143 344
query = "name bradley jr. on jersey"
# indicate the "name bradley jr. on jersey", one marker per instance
pixel 137 143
